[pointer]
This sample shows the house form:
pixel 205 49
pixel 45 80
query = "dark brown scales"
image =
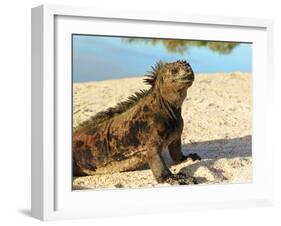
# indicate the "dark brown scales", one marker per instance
pixel 135 132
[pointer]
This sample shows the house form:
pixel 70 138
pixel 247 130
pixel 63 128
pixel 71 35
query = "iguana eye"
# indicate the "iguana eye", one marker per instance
pixel 175 70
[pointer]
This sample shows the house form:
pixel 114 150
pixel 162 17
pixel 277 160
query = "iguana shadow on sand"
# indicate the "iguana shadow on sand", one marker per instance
pixel 137 130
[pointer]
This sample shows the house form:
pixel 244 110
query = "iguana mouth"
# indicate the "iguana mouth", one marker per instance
pixel 186 78
pixel 187 83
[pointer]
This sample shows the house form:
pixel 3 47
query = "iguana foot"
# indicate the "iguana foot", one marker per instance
pixel 180 179
pixel 192 156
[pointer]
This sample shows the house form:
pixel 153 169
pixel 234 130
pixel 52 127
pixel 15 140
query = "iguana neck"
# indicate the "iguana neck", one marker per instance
pixel 171 110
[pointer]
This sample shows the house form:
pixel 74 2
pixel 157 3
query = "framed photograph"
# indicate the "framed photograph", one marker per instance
pixel 137 112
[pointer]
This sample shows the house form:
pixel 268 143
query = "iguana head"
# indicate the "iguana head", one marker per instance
pixel 172 80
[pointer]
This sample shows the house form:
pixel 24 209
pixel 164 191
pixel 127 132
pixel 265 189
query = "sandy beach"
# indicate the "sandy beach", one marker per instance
pixel 217 126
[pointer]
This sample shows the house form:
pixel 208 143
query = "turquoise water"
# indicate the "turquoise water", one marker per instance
pixel 98 58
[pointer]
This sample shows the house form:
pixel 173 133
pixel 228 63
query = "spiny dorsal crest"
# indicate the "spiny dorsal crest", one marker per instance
pixel 152 76
pixel 113 111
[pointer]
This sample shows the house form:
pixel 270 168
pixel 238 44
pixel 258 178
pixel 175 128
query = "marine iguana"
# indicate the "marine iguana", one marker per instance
pixel 135 132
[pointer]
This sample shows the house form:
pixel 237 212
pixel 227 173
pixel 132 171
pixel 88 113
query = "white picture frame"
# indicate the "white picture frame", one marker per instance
pixel 52 197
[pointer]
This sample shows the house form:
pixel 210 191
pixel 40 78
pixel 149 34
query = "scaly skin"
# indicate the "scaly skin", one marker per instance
pixel 137 130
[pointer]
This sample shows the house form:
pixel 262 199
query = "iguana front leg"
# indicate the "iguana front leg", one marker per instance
pixel 155 160
pixel 177 155
pixel 161 172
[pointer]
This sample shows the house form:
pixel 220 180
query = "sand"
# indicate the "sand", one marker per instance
pixel 217 126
